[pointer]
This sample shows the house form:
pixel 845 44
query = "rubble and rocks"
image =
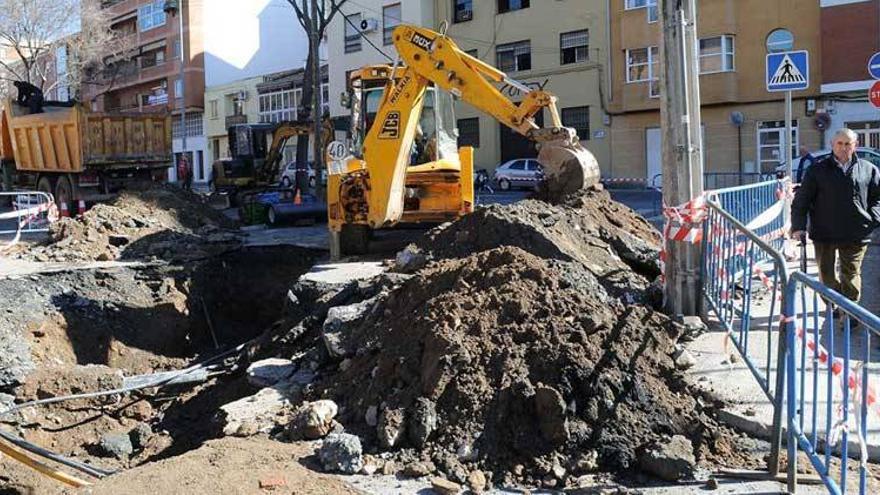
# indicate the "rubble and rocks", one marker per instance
pixel 116 445
pixel 669 459
pixel 144 222
pixel 528 338
pixel 313 420
pixel 258 413
pixel 140 435
pixel 445 487
pixel 341 453
pixel 268 372
pixel 476 481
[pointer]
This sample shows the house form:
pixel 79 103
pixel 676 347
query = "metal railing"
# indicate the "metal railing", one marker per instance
pixel 760 207
pixel 719 180
pixel 32 212
pixel 737 265
pixel 831 395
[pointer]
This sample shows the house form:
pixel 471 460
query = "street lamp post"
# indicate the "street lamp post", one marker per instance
pixel 173 8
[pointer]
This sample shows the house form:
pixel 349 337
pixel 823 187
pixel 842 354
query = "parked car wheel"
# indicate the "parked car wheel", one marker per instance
pixel 504 184
pixel 312 182
pixel 285 181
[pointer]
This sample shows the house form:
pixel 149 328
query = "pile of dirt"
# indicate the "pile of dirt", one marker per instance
pixel 528 347
pixel 146 221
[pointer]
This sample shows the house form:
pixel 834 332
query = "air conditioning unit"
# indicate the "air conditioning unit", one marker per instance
pixel 369 25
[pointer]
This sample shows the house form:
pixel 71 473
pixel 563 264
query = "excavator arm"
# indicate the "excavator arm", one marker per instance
pixel 568 166
pixel 369 192
pixel 271 169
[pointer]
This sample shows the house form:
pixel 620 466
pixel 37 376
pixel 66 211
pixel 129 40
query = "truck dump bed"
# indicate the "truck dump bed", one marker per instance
pixel 71 139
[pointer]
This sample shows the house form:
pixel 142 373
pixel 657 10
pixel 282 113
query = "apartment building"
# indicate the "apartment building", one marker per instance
pixel 849 38
pixel 743 124
pixel 151 81
pixel 360 34
pixel 555 45
pixel 255 53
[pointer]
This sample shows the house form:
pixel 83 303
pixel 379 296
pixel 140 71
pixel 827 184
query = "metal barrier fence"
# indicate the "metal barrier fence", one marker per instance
pixel 737 264
pixel 31 212
pixel 760 207
pixel 719 180
pixel 829 361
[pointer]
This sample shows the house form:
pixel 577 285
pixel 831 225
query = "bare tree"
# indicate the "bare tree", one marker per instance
pixel 314 16
pixel 52 43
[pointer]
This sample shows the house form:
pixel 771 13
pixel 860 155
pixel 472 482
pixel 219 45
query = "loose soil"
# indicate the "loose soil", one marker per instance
pixel 228 465
pixel 147 221
pixel 83 330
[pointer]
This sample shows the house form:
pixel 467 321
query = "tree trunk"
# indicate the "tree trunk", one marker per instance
pixel 305 113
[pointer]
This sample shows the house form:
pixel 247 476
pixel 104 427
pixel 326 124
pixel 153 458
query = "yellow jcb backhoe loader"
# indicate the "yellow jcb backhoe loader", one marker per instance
pixel 407 167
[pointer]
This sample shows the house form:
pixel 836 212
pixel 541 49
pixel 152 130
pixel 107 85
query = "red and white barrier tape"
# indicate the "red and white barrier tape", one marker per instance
pixel 853 386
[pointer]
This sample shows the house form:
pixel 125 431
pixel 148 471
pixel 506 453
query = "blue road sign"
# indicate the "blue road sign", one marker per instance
pixel 788 71
pixel 874 66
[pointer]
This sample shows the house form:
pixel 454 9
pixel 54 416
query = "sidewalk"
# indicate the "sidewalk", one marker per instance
pixel 748 407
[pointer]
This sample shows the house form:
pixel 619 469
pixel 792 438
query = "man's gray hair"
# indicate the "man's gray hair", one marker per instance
pixel 849 133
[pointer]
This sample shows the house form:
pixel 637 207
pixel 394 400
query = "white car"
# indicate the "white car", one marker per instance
pixel 288 176
pixel 522 172
pixel 800 165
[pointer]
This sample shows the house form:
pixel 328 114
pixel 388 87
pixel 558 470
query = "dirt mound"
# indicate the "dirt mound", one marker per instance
pixel 528 346
pixel 527 361
pixel 591 229
pixel 152 220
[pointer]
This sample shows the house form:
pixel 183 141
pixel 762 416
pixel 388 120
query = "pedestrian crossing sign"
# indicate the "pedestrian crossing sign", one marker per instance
pixel 788 71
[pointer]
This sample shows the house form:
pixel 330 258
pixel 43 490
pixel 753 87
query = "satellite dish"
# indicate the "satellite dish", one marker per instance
pixel 364 25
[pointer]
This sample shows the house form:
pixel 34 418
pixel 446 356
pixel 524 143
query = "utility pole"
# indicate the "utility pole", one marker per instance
pixel 316 94
pixel 682 145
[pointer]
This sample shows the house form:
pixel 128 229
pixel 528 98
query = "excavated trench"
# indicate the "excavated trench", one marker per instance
pixel 82 330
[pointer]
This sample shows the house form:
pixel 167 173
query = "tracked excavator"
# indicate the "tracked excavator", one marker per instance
pixel 403 164
pixel 254 165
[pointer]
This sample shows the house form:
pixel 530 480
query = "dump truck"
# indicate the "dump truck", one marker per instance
pixel 75 154
pixel 403 164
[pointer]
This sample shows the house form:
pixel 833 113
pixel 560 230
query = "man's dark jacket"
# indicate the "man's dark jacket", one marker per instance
pixel 843 206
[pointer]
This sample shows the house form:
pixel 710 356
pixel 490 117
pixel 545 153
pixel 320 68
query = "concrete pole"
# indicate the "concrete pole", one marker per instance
pixel 183 90
pixel 682 145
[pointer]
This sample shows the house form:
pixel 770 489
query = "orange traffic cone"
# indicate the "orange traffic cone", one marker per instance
pixel 64 210
pixel 80 208
pixel 297 200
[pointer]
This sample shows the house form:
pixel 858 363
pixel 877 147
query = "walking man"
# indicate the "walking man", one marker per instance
pixel 841 197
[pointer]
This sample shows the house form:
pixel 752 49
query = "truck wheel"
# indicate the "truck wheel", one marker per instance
pixel 46 185
pixel 65 193
pixel 354 239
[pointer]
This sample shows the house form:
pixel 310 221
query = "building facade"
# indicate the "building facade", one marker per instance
pixel 849 38
pixel 558 46
pixel 151 81
pixel 743 124
pixel 257 74
pixel 360 34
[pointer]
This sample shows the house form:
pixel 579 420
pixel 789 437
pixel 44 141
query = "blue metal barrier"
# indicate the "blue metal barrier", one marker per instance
pixel 753 205
pixel 816 359
pixel 736 265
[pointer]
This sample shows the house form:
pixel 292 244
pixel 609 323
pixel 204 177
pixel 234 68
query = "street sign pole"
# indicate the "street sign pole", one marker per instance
pixel 787 155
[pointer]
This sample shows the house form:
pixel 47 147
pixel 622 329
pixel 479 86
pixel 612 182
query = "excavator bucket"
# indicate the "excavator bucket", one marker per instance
pixel 568 166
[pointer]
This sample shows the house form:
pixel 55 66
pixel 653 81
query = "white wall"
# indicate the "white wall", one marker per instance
pixel 418 12
pixel 247 38
pixel 849 111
